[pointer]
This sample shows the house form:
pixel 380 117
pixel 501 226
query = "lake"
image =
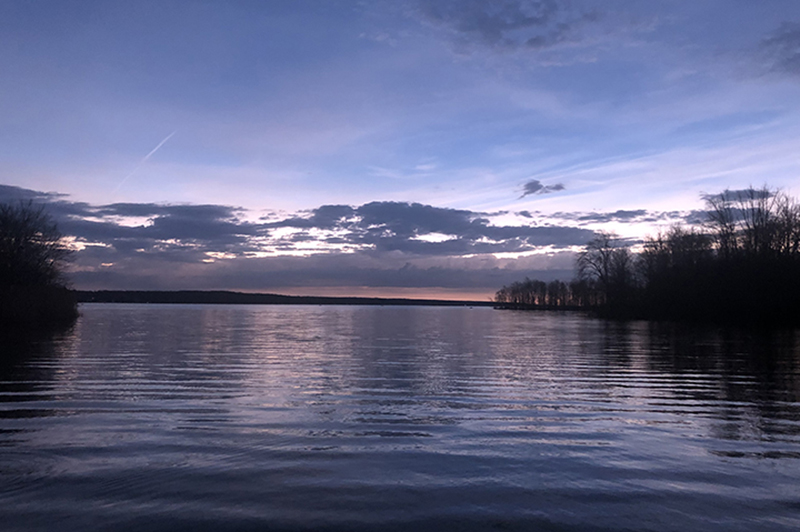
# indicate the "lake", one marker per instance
pixel 203 417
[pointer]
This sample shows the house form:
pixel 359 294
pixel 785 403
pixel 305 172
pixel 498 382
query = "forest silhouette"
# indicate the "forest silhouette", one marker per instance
pixel 741 266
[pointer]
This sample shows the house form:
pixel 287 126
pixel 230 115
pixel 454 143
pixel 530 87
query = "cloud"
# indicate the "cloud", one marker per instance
pixel 167 228
pixel 324 217
pixel 505 24
pixel 387 226
pixel 411 219
pixel 782 48
pixel 696 217
pixel 123 232
pixel 743 194
pixel 377 244
pixel 633 216
pixel 10 193
pixel 380 243
pixel 534 186
pixel 616 216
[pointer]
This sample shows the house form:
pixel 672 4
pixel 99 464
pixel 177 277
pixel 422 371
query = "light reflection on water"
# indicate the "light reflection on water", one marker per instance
pixel 268 417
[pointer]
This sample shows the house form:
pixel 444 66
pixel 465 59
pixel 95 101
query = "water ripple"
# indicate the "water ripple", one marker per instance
pixel 348 418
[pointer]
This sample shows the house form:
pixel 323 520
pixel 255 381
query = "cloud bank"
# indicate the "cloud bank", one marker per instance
pixel 377 245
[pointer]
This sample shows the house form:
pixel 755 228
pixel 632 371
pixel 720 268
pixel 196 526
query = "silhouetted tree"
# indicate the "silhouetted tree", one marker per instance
pixel 583 293
pixel 596 260
pixel 533 293
pixel 32 256
pixel 722 220
pixel 32 250
pixel 677 249
pixel 609 265
pixel 754 222
pixel 746 268
pixel 674 268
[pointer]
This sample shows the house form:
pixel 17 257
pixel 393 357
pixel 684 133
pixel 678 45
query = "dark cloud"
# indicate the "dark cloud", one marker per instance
pixel 534 186
pixel 388 226
pixel 743 194
pixel 9 193
pixel 696 217
pixel 782 48
pixel 193 229
pixel 191 232
pixel 412 219
pixel 140 245
pixel 324 217
pixel 197 212
pixel 582 219
pixel 505 24
pixel 736 202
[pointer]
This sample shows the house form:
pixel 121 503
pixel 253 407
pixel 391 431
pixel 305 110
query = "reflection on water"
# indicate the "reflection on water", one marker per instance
pixel 244 417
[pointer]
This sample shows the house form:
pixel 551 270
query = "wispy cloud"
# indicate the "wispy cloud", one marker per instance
pixel 783 48
pixel 505 24
pixel 551 32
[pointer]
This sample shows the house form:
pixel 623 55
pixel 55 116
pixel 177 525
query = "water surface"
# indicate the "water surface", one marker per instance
pixel 172 417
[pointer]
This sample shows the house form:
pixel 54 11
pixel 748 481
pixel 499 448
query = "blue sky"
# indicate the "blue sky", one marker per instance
pixel 505 114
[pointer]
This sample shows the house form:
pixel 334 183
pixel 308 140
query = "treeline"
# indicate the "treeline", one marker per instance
pixel 222 297
pixel 742 266
pixel 33 290
pixel 554 294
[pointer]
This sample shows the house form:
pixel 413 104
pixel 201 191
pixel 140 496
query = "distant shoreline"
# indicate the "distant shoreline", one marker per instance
pixel 224 297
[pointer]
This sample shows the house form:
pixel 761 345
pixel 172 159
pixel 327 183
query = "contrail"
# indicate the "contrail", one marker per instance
pixel 145 158
pixel 159 145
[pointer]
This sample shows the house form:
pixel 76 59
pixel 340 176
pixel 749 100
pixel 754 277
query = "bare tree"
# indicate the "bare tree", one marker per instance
pixel 32 250
pixel 787 216
pixel 596 260
pixel 609 265
pixel 745 268
pixel 757 208
pixel 722 221
pixel 754 222
pixel 677 248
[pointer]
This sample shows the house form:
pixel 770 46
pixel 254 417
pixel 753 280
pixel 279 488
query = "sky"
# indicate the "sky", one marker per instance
pixel 421 148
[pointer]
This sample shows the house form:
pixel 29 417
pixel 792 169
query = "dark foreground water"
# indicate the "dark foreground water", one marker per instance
pixel 148 417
